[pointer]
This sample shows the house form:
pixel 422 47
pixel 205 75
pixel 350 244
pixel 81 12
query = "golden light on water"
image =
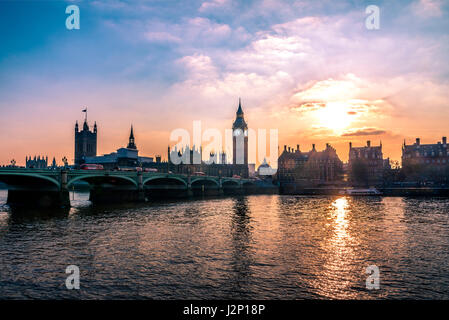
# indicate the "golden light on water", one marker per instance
pixel 341 223
pixel 338 267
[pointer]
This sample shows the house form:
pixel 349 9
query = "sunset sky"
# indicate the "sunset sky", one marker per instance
pixel 310 69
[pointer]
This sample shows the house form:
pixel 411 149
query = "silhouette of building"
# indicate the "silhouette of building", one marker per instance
pixel 36 162
pixel 311 168
pixel 426 162
pixel 85 142
pixel 429 155
pixel 240 138
pixel 124 157
pixel 366 164
pixel 190 160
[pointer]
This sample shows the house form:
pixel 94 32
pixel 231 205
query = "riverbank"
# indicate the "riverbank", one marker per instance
pixel 391 192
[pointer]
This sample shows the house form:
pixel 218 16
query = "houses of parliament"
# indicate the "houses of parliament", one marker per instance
pixel 86 152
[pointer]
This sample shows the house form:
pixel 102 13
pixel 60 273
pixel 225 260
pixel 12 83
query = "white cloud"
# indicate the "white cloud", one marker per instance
pixel 214 4
pixel 428 8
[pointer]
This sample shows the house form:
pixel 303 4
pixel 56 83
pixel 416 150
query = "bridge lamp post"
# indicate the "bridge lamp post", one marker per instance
pixel 13 162
pixel 64 160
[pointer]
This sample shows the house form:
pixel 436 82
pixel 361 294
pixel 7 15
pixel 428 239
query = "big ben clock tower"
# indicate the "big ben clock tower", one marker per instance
pixel 240 138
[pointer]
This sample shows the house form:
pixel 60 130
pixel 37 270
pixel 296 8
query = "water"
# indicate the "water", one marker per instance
pixel 254 247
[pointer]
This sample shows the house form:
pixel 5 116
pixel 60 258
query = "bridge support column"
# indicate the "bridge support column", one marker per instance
pixel 220 188
pixel 140 189
pixel 189 187
pixel 64 197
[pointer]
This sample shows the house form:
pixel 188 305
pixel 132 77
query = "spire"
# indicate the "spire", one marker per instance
pixel 239 110
pixel 95 127
pixel 131 144
pixel 239 122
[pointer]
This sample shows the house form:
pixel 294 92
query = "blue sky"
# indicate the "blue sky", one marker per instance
pixel 308 68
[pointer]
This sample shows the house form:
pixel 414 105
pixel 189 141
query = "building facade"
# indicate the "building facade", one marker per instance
pixel 426 162
pixel 240 138
pixel 431 155
pixel 123 158
pixel 366 165
pixel 85 143
pixel 190 160
pixel 312 168
pixel 36 162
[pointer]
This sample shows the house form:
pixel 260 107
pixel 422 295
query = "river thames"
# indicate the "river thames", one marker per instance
pixel 253 247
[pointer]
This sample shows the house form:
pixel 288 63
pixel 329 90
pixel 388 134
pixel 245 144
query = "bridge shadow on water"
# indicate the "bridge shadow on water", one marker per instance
pixel 82 206
pixel 27 214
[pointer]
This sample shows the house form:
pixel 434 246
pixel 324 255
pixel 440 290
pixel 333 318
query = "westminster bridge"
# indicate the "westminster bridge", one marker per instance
pixel 46 187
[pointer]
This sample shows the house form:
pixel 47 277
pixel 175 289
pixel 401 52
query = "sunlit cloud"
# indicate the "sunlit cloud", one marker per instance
pixel 364 132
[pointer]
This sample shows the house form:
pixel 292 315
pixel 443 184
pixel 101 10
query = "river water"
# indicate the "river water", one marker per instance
pixel 253 247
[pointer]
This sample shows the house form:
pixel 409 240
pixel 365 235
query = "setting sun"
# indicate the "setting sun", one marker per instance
pixel 335 116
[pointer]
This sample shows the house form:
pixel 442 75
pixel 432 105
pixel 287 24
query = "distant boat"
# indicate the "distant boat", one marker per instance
pixel 361 192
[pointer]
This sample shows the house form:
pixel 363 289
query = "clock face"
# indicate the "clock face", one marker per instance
pixel 237 132
pixel 246 133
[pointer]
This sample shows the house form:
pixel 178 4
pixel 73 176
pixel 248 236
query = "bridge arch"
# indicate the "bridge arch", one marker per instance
pixel 205 179
pixel 161 177
pixel 88 177
pixel 16 178
pixel 230 182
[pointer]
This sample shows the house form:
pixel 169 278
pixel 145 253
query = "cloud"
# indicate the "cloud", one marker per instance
pixel 214 4
pixel 428 8
pixel 364 132
pixel 161 37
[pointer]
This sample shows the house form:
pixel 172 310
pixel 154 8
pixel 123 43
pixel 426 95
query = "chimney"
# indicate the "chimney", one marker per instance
pixel 350 145
pixel 297 147
pixel 285 147
pixel 289 149
pixel 444 140
pixel 418 141
pixel 313 147
pixel 368 143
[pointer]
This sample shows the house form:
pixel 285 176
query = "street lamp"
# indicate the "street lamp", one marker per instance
pixel 13 163
pixel 64 160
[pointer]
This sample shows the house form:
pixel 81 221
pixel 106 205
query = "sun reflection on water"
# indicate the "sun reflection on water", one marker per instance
pixel 338 269
pixel 340 210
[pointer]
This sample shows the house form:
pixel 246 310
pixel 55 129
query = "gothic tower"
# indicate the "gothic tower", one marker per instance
pixel 131 143
pixel 240 138
pixel 85 142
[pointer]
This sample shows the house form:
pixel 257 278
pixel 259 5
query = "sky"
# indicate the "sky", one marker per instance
pixel 310 69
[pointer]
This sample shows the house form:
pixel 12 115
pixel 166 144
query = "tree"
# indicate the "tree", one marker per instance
pixel 359 172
